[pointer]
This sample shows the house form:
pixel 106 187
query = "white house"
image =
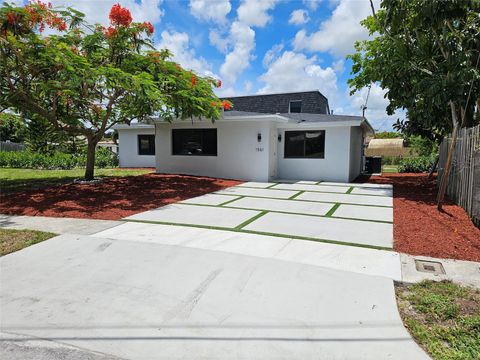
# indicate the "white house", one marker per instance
pixel 136 145
pixel 254 145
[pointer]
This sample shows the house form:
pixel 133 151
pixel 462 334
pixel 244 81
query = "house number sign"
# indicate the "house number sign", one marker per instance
pixel 259 149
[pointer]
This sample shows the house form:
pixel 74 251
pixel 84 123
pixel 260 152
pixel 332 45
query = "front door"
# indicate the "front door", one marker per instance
pixel 273 154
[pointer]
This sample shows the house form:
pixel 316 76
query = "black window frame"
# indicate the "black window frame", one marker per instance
pixel 204 133
pixel 290 106
pixel 151 144
pixel 287 148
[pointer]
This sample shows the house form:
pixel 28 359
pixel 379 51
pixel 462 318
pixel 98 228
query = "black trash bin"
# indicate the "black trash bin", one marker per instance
pixel 373 164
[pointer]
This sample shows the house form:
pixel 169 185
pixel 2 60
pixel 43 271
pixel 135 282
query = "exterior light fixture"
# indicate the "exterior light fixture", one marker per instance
pixel 259 137
pixel 279 137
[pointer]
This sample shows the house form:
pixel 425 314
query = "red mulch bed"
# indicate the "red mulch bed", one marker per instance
pixel 113 199
pixel 419 228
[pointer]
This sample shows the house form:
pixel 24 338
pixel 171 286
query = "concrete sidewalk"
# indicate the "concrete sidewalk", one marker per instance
pixel 56 225
pixel 143 300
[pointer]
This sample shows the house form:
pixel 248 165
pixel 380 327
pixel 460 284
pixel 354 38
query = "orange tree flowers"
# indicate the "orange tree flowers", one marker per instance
pixel 120 15
pixel 35 15
pixel 85 78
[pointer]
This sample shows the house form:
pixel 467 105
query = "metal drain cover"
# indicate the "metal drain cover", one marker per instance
pixel 431 267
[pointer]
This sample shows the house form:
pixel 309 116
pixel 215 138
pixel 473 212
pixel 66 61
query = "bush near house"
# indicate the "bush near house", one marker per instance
pixel 31 160
pixel 416 164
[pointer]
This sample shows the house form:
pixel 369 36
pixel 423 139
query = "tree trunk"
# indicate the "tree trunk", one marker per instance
pixel 90 167
pixel 448 165
pixel 432 170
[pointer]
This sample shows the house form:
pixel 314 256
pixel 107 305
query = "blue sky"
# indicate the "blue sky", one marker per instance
pixel 261 46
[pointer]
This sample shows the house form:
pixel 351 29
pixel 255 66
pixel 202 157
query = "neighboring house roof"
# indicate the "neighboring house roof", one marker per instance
pixel 386 143
pixel 133 126
pixel 313 102
pixel 387 147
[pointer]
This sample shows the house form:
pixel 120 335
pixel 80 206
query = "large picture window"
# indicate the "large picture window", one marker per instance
pixel 146 144
pixel 305 144
pixel 194 142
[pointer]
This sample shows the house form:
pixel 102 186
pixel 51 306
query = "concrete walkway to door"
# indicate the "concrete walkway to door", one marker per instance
pixel 270 219
pixel 285 271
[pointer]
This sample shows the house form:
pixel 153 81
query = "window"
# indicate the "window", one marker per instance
pixel 305 144
pixel 194 142
pixel 296 106
pixel 146 144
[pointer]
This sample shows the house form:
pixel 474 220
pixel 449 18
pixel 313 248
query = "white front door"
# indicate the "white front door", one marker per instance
pixel 273 154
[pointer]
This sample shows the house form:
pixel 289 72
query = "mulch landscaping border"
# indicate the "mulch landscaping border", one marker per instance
pixel 419 228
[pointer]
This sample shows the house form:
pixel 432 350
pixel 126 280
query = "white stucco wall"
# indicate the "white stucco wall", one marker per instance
pixel 335 165
pixel 356 143
pixel 128 147
pixel 240 155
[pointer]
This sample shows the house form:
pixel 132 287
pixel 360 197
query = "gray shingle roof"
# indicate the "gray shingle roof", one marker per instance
pixel 313 102
pixel 231 113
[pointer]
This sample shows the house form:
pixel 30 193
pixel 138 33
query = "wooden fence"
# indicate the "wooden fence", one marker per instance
pixel 464 180
pixel 11 146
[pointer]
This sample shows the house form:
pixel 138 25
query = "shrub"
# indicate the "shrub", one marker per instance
pixel 416 164
pixel 104 158
pixel 391 160
pixel 31 160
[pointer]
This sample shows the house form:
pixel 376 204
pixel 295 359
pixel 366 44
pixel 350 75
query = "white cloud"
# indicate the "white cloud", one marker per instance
pixel 296 72
pixel 376 107
pixel 247 86
pixel 339 65
pixel 216 39
pixel 312 4
pixel 241 36
pixel 211 10
pixel 236 61
pixel 97 11
pixel 298 17
pixel 338 33
pixel 271 54
pixel 255 12
pixel 179 44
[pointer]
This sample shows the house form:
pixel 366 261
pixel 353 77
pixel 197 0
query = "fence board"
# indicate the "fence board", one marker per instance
pixel 11 146
pixel 464 180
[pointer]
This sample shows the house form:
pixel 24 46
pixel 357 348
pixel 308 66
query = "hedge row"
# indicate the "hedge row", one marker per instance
pixel 417 164
pixel 30 160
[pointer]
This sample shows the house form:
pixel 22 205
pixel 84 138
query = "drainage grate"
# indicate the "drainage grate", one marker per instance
pixel 432 267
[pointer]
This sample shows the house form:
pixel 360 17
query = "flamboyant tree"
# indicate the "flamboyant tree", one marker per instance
pixel 426 54
pixel 86 78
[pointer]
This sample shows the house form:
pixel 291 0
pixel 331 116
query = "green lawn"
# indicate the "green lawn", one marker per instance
pixel 12 180
pixel 14 240
pixel 390 168
pixel 443 317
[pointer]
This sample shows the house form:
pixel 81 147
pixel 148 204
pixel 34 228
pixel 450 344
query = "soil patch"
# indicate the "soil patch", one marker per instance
pixel 112 199
pixel 419 228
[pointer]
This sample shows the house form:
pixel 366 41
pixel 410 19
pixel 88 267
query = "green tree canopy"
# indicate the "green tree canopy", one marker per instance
pixel 12 128
pixel 425 53
pixel 85 78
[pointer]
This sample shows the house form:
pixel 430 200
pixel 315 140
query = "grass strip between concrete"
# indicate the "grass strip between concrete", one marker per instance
pixel 254 232
pixel 328 214
pixel 332 210
pixel 318 191
pixel 312 201
pixel 224 203
pixel 295 195
pixel 252 219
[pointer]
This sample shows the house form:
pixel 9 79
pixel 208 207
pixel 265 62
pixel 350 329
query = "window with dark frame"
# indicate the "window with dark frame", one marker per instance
pixel 194 142
pixel 305 144
pixel 296 106
pixel 146 144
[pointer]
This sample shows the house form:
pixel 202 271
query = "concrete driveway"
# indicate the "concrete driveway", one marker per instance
pixel 218 277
